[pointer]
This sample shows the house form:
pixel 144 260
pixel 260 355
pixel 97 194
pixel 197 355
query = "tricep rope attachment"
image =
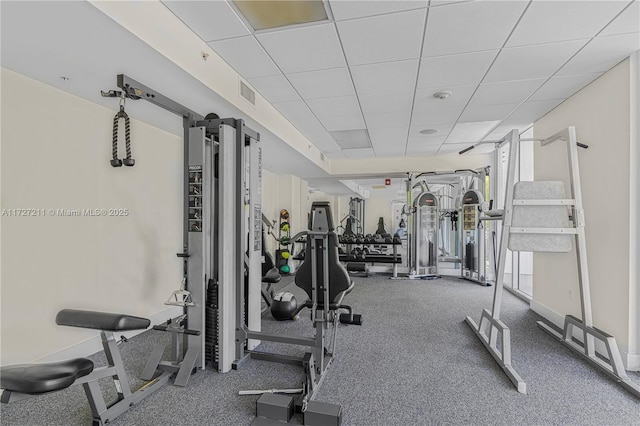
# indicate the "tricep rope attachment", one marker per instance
pixel 115 161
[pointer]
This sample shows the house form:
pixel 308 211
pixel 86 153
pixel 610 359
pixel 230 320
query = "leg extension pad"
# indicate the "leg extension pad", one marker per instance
pixel 322 414
pixel 275 407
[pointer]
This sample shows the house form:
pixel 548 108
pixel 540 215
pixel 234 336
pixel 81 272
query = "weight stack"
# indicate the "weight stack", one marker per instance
pixel 469 256
pixel 212 351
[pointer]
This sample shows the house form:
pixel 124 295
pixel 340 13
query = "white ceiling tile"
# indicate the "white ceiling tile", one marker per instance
pixel 348 9
pixel 343 122
pixel 311 126
pixel 454 70
pixel 424 116
pixel 383 38
pixel 460 95
pixel 487 112
pixel 387 119
pixel 397 76
pixel 351 139
pixel 303 49
pixel 552 21
pixel 505 92
pixel 322 83
pixel 390 144
pixel 421 150
pixel 530 62
pixel 602 53
pixel 470 132
pixel 442 128
pixel 562 87
pixel 275 88
pixel 211 20
pixel 627 22
pixel 435 3
pixel 294 110
pixel 331 107
pixel 359 153
pixel 533 110
pixel 373 103
pixel 385 133
pixel 508 125
pixel 246 56
pixel 426 140
pixel 470 27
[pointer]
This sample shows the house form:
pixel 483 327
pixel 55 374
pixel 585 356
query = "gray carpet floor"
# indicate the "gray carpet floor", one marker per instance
pixel 413 362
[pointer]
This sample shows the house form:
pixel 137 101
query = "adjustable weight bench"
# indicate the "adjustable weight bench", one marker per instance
pixel 27 380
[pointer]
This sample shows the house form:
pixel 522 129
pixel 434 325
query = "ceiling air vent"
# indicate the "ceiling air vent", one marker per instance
pixel 247 93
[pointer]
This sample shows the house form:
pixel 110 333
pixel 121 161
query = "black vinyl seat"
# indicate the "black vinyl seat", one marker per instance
pixel 100 320
pixel 41 378
pixel 339 281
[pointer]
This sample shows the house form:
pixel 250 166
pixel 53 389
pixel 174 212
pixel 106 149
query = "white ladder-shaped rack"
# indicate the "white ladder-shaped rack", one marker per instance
pixel 537 217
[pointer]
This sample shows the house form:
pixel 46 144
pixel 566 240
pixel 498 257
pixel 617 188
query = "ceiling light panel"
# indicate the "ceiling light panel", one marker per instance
pixel 505 92
pixel 534 110
pixel 359 153
pixel 295 110
pixel 563 87
pixel 373 103
pixel 246 56
pixel 304 49
pixel 392 37
pixel 331 107
pixel 270 14
pixel 530 62
pixel 487 112
pixel 351 139
pixel 470 132
pixel 553 21
pixel 275 88
pixel 343 122
pixel 602 53
pixel 342 9
pixel 323 83
pixel 199 16
pixel 397 76
pixel 470 27
pixel 627 22
pixel 455 70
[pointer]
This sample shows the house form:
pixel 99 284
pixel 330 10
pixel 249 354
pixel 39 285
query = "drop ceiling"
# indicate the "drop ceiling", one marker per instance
pixel 375 66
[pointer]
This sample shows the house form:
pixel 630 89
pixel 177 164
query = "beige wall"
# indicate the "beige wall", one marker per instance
pixel 55 153
pixel 602 115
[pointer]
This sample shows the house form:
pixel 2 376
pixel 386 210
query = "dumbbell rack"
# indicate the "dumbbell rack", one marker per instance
pixel 394 258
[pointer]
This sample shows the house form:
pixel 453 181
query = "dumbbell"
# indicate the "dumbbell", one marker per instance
pixel 396 239
pixel 388 239
pixel 359 239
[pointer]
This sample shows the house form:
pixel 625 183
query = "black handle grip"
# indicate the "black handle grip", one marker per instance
pixel 183 254
pixel 581 145
pixel 176 330
pixel 466 150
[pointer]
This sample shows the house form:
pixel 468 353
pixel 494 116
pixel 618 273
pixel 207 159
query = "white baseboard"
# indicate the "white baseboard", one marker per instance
pixel 94 344
pixel 631 361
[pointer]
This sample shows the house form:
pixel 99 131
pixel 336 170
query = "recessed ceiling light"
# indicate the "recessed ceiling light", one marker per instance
pixel 443 94
pixel 428 131
pixel 267 14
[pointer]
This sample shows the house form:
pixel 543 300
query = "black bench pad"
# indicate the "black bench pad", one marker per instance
pixel 40 378
pixel 272 276
pixel 100 320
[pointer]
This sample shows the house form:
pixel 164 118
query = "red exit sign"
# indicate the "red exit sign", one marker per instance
pixel 387 181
